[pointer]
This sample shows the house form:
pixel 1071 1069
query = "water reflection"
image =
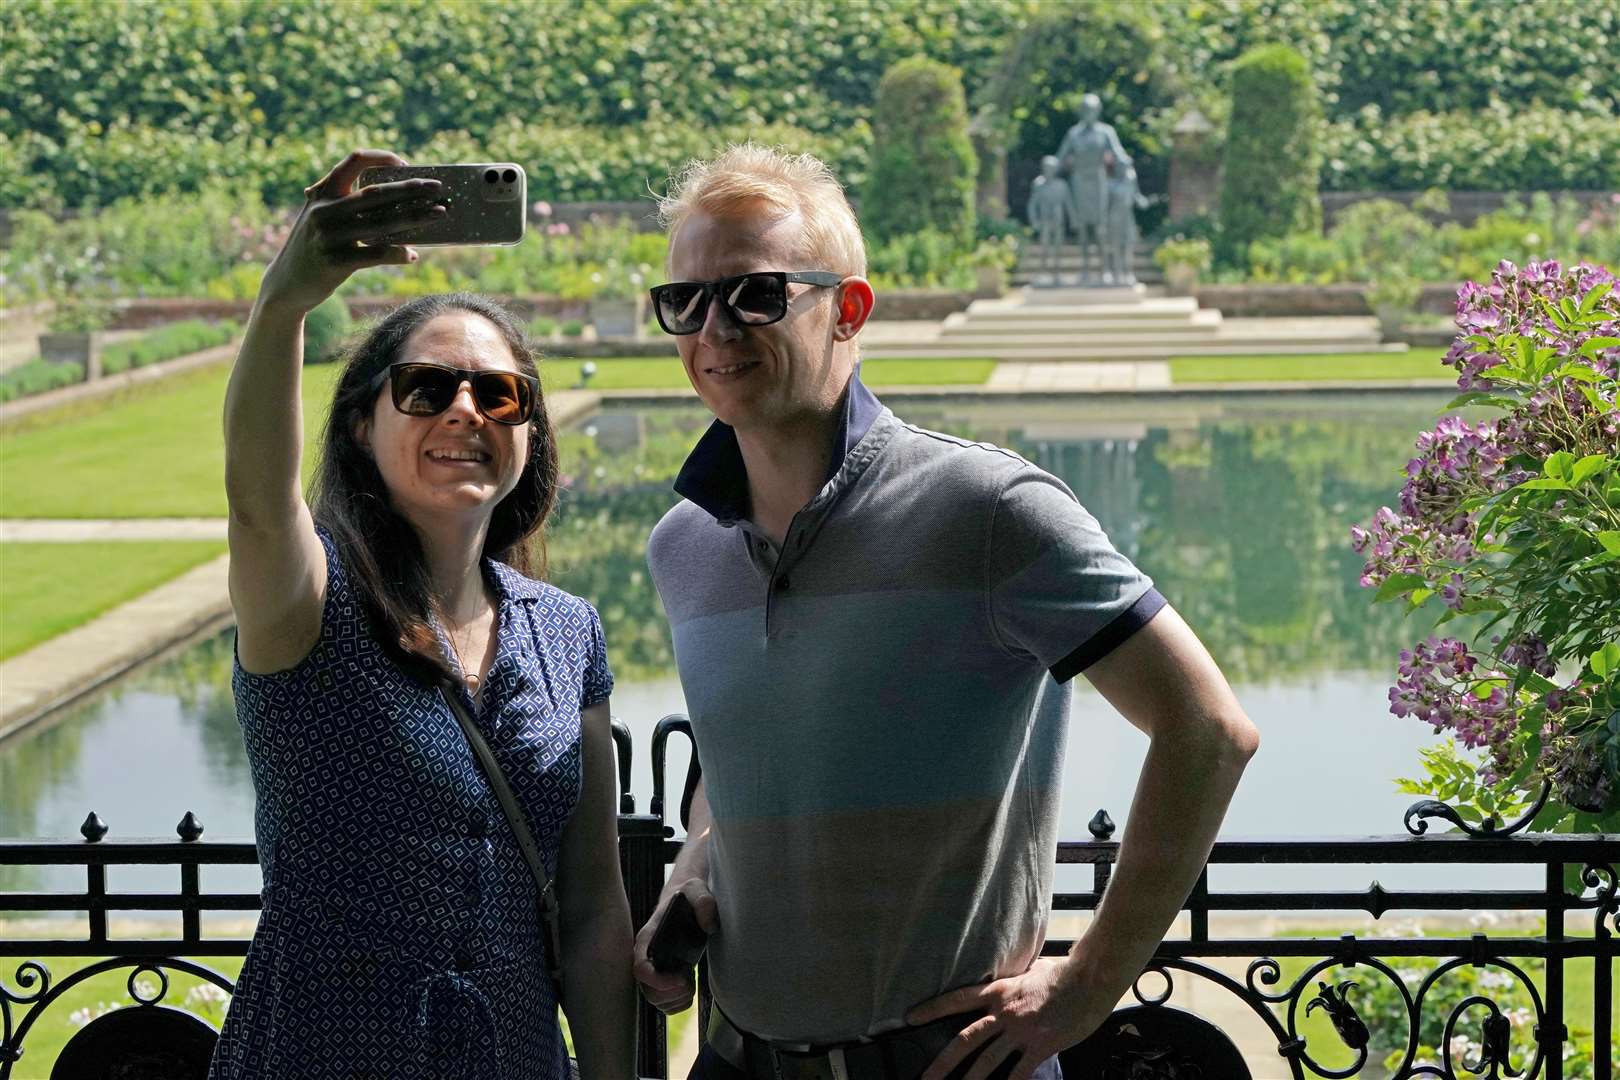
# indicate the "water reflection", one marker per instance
pixel 1238 508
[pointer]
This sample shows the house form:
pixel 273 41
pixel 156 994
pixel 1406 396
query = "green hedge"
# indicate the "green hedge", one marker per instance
pixel 98 102
pixel 1268 187
pixel 165 343
pixel 1534 148
pixel 38 376
pixel 923 167
pixel 564 163
pixel 235 69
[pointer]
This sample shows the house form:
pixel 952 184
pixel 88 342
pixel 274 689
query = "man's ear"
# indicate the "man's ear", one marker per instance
pixel 854 300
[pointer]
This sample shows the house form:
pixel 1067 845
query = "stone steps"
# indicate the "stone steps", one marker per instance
pixel 1068 349
pixel 1039 325
pixel 1194 323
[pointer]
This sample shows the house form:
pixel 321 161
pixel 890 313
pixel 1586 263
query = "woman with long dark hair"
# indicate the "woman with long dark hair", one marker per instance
pixel 401 934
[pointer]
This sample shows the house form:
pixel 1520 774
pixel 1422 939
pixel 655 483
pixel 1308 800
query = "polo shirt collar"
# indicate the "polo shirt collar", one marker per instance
pixel 715 479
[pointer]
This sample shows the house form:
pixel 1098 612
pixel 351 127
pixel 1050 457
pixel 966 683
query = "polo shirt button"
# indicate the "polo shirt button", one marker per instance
pixel 464 958
pixel 477 825
pixel 782 584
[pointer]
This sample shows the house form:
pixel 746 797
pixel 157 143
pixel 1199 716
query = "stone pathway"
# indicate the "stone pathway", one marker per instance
pixel 26 530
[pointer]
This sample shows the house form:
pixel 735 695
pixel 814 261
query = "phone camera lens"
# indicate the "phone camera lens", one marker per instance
pixel 491 175
pixel 510 176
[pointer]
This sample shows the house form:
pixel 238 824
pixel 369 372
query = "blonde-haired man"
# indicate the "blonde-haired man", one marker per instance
pixel 872 622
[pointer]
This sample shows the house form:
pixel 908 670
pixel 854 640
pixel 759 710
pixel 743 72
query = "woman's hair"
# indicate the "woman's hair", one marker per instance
pixel 749 174
pixel 381 551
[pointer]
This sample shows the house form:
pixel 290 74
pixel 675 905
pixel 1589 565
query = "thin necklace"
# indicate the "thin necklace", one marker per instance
pixel 466 676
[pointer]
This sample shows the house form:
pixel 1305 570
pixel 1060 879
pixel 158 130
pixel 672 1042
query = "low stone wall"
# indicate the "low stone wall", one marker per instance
pixel 143 313
pixel 1280 301
pixel 1238 301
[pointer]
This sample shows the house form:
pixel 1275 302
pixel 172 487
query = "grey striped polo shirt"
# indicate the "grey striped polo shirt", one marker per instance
pixel 879 716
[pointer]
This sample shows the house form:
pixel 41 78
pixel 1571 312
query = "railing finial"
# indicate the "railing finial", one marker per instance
pixel 1101 826
pixel 189 828
pixel 93 828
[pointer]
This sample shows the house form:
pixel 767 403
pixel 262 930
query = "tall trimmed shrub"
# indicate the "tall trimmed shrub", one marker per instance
pixel 1269 185
pixel 923 171
pixel 325 329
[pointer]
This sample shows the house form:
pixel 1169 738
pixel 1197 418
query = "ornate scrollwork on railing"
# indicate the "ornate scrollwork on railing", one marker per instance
pixel 1417 814
pixel 1153 1041
pixel 28 972
pixel 1335 1002
pixel 174 1039
pixel 1337 998
pixel 1494 1061
pixel 1602 877
pixel 1334 998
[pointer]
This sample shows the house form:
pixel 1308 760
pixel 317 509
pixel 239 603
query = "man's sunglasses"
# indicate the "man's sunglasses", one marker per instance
pixel 749 299
pixel 421 389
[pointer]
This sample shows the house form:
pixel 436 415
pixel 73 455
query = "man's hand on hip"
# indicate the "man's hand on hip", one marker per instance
pixel 672 991
pixel 1034 1015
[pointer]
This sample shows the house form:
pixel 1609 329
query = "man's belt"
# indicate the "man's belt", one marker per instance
pixel 895 1055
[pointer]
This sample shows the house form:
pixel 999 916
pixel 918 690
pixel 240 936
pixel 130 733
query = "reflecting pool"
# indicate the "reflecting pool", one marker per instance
pixel 1238 507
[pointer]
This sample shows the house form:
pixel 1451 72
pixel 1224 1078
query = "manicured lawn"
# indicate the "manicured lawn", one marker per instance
pixel 154 451
pixel 158 450
pixel 46 589
pixel 666 373
pixel 924 372
pixel 1416 364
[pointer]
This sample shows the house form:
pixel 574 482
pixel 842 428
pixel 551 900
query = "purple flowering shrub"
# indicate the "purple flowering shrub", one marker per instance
pixel 1514 521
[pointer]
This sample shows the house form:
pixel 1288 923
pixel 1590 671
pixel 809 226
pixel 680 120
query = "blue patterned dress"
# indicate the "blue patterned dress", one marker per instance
pixel 400 936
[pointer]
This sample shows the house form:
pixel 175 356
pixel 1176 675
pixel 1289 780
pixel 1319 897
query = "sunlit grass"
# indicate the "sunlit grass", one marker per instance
pixel 48 589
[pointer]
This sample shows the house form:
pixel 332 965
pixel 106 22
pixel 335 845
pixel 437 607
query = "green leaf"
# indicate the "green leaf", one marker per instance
pixel 1605 660
pixel 1420 596
pixel 1542 484
pixel 1558 465
pixel 1588 467
pixel 1396 584
pixel 1581 373
pixel 1476 396
pixel 1593 346
pixel 1593 296
pixel 1610 539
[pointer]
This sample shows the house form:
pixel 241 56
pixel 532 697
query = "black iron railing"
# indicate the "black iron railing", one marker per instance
pixel 1149 1041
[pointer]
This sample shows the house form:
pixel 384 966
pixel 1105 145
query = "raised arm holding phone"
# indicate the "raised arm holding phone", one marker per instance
pixel 402 932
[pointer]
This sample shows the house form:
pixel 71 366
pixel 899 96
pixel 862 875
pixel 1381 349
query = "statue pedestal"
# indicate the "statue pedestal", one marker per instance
pixel 1074 295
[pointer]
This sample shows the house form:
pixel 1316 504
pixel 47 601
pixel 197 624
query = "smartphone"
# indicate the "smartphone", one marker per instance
pixel 486 203
pixel 679 941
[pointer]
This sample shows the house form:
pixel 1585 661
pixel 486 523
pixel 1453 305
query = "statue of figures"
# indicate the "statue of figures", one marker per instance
pixel 1081 153
pixel 1050 208
pixel 1123 199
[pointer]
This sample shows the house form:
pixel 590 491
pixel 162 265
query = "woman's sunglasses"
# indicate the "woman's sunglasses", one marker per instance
pixel 749 299
pixel 420 389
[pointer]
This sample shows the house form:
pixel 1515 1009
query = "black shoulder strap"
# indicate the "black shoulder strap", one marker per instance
pixel 550 915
